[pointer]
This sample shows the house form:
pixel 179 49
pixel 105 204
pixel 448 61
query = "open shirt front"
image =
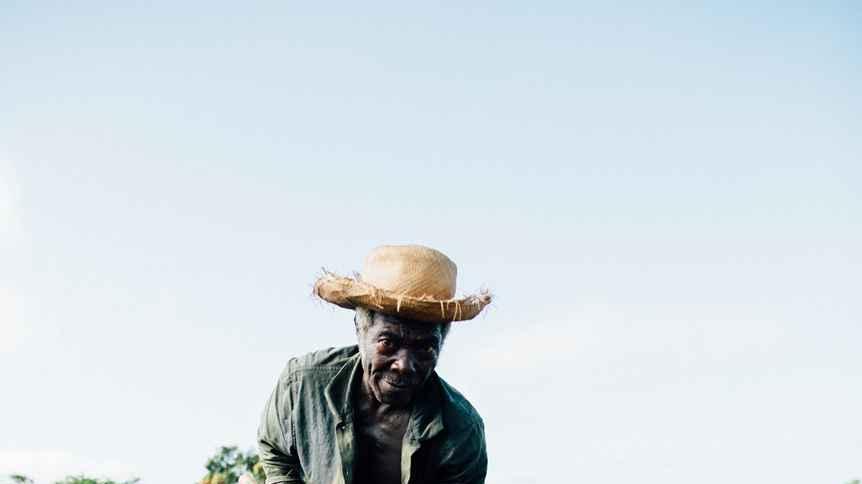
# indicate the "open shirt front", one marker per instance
pixel 307 429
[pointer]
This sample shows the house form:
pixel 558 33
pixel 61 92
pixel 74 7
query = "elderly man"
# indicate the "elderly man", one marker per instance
pixel 377 412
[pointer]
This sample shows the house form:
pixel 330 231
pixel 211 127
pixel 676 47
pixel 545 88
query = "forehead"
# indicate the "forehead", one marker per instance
pixel 405 328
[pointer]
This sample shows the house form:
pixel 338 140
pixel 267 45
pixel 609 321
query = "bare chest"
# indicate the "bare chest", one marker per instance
pixel 379 440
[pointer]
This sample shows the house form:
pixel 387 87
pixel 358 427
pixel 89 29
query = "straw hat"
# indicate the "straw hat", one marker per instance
pixel 410 281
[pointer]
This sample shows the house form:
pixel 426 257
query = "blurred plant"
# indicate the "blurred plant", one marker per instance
pixel 229 464
pixel 81 479
pixel 19 479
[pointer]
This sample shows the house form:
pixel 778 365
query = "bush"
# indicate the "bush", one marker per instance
pixel 91 480
pixel 229 464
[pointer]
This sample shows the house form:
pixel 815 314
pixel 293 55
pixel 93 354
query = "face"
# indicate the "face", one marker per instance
pixel 398 356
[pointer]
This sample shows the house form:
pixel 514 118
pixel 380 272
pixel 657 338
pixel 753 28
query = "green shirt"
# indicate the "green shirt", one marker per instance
pixel 307 432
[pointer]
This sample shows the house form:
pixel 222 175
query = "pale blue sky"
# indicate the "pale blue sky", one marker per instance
pixel 665 200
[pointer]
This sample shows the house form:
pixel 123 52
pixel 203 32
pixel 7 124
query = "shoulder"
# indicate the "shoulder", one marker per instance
pixel 458 413
pixel 325 361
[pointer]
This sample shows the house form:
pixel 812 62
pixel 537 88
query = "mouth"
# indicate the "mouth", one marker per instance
pixel 398 384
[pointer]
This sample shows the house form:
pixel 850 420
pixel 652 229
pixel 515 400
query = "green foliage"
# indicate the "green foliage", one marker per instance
pixel 229 464
pixel 91 480
pixel 20 479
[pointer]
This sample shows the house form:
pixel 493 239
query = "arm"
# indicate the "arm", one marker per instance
pixel 275 438
pixel 467 461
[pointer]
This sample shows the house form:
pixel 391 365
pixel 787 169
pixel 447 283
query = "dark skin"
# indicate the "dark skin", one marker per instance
pixel 398 356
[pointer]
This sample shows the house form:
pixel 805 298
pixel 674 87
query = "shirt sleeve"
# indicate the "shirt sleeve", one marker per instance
pixel 275 438
pixel 467 461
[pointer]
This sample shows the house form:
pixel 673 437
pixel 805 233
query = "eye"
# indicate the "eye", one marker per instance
pixel 428 351
pixel 386 344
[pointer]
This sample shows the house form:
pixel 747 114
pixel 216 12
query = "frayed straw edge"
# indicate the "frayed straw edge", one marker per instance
pixel 483 298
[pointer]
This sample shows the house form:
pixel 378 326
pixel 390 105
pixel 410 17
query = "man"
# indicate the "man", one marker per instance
pixel 377 413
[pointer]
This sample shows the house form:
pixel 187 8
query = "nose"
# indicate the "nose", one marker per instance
pixel 403 363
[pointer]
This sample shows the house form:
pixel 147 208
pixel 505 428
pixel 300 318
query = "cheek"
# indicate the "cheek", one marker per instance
pixel 368 353
pixel 426 367
pixel 376 364
pixel 370 363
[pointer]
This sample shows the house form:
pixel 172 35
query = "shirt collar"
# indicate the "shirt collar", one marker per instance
pixel 339 391
pixel 426 418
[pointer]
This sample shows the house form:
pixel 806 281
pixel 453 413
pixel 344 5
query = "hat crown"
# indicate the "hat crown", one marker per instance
pixel 411 270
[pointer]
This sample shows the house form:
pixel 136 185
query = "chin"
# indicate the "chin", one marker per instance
pixel 395 396
pixel 396 400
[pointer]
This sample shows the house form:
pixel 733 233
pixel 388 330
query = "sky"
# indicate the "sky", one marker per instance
pixel 664 199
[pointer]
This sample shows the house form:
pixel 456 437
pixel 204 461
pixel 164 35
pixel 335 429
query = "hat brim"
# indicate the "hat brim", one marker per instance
pixel 350 293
